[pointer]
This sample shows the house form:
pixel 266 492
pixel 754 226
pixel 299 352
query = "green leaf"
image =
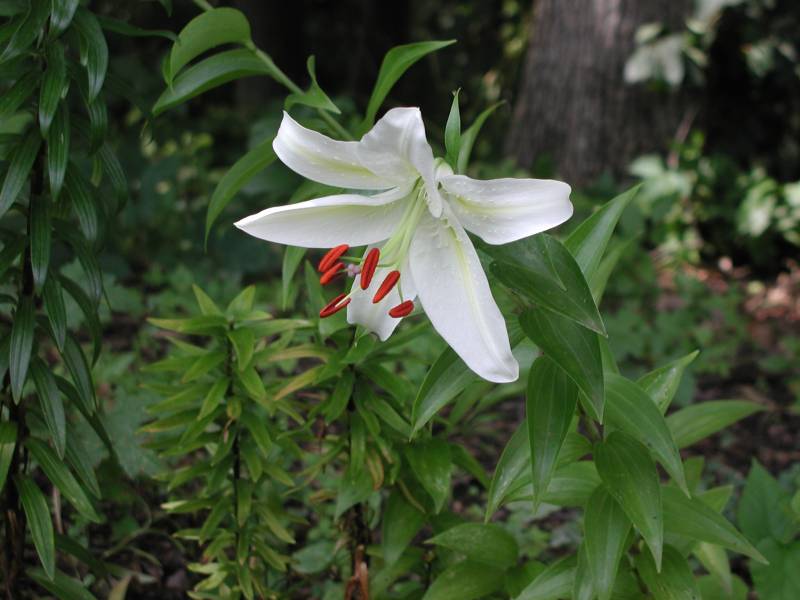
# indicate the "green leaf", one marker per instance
pixel 89 313
pixel 29 29
pixel 430 462
pixel 258 430
pixel 447 378
pixel 630 474
pixel 22 89
pixel 396 62
pixel 573 348
pixel 205 325
pixel 243 341
pixel 88 261
pixel 93 50
pixel 470 135
pixel 204 302
pixel 247 167
pixel 79 371
pixel 698 421
pixel 208 74
pixel 764 510
pixel 98 123
pixel 694 519
pixel 22 334
pixel 51 403
pixel 53 83
pixel 18 170
pixel 79 194
pixel 313 96
pixel 125 28
pixel 207 30
pixel 513 462
pixel 62 13
pixel 338 400
pixel 544 272
pixel 551 402
pixel 292 257
pixel 452 132
pixel 58 473
pixel 715 560
pixel 400 524
pixel 589 240
pixel 710 589
pixel 629 408
pixel 572 485
pixel 674 581
pixel 485 543
pixel 780 580
pixel 243 302
pixel 599 279
pixel 81 461
pixel 662 383
pixel 354 487
pixel 40 241
pixel 116 175
pixel 37 512
pixel 8 441
pixel 62 586
pixel 554 583
pixel 606 530
pixel 58 150
pixel 466 581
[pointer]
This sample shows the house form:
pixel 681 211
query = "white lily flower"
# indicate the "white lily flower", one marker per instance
pixel 415 223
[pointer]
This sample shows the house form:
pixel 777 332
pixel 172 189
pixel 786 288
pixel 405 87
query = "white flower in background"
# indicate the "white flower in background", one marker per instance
pixel 414 223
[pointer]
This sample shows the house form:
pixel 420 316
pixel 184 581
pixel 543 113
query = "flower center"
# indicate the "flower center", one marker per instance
pixel 392 255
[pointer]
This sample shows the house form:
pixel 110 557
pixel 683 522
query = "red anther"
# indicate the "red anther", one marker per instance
pixel 386 286
pixel 328 275
pixel 402 310
pixel 333 306
pixel 368 268
pixel 331 256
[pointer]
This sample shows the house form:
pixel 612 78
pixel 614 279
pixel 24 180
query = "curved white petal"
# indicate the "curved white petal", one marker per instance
pixel 455 294
pixel 396 148
pixel 375 317
pixel 323 159
pixel 329 221
pixel 503 210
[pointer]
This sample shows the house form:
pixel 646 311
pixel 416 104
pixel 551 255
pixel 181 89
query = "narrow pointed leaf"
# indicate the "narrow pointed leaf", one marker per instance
pixel 400 523
pixel 513 462
pixel 40 241
pixel 430 462
pixel 674 581
pixel 80 195
pixel 470 135
pixel 466 581
pixel 62 13
pixel 606 530
pixel 58 141
pixel 29 29
pixel 89 313
pixel 53 82
pixel 8 441
pixel 447 378
pixel 37 512
pixel 313 96
pixel 485 543
pixel 452 132
pixel 697 421
pixel 630 475
pixel 115 174
pixel 52 405
pixel 93 50
pixel 554 583
pixel 552 398
pixel 18 170
pixel 79 371
pixel 22 89
pixel 662 383
pixel 80 460
pixel 62 586
pixel 55 309
pixel 22 333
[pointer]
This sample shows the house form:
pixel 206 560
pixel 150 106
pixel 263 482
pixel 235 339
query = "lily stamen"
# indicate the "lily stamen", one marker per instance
pixel 369 266
pixel 328 275
pixel 331 256
pixel 402 310
pixel 334 306
pixel 386 287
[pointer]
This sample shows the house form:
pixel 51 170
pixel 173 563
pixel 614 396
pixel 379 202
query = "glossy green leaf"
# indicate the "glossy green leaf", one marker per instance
pixel 715 560
pixel 466 581
pixel 601 275
pixel 98 123
pixel 207 30
pixel 247 167
pixel 355 486
pixel 606 530
pixel 243 302
pixel 58 473
pixel 8 441
pixel 341 395
pixel 90 316
pixel 55 309
pixel 573 348
pixel 513 462
pixel 554 583
pixel 630 475
pixel 396 62
pixel 552 398
pixel 764 509
pixel 629 408
pixel 29 29
pixel 80 195
pixel 589 240
pixel 542 270
pixel 780 579
pixel 662 383
pixel 204 302
pixel 694 519
pixel 129 30
pixel 62 586
pixel 313 96
pixel 114 172
pixel 51 403
pixel 582 585
pixel 697 421
pixel 53 84
pixel 400 523
pixel 22 334
pixel 447 378
pixel 62 13
pixel 40 240
pixel 18 170
pixel 93 50
pixel 79 371
pixel 80 460
pixel 208 74
pixel 58 141
pixel 452 132
pixel 572 485
pixel 12 98
pixel 93 283
pixel 469 137
pixel 674 581
pixel 430 462
pixel 243 341
pixel 485 543
pixel 37 512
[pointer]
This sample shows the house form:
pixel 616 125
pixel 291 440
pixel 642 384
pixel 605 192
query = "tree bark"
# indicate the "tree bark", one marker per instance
pixel 573 104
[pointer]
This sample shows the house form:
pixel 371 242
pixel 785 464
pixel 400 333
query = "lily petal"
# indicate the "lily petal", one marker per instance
pixel 455 294
pixel 375 317
pixel 320 158
pixel 397 148
pixel 504 210
pixel 326 222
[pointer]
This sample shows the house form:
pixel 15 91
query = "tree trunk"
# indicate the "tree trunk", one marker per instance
pixel 573 105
